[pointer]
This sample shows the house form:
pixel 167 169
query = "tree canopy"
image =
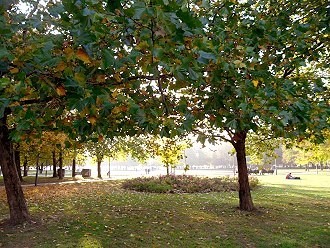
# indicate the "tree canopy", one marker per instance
pixel 221 69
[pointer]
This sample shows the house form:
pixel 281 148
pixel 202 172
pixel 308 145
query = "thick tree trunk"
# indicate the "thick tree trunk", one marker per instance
pixel 17 205
pixel 245 198
pixel 60 165
pixel 54 164
pixel 73 167
pixel 99 168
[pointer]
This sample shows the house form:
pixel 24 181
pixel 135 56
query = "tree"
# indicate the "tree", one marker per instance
pixel 305 152
pixel 254 74
pixel 169 150
pixel 101 147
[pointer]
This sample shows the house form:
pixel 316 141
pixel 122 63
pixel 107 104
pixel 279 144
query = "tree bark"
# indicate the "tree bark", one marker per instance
pixel 245 198
pixel 17 204
pixel 54 164
pixel 73 167
pixel 17 160
pixel 99 168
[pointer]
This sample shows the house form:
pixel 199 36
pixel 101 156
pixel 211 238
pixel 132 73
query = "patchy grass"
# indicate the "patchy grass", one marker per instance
pixel 185 184
pixel 102 214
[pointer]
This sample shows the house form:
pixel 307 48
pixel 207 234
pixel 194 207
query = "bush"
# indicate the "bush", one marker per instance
pixel 184 184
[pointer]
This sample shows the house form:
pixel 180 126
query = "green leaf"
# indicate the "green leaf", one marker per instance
pixel 4 102
pixel 108 59
pixel 192 74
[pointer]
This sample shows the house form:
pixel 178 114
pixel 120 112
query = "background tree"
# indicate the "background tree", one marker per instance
pixel 168 150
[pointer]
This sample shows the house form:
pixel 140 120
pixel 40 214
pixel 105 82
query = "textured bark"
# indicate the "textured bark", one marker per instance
pixel 245 198
pixel 17 205
pixel 17 160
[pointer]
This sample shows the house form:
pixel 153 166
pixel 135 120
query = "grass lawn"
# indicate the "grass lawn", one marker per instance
pixel 291 213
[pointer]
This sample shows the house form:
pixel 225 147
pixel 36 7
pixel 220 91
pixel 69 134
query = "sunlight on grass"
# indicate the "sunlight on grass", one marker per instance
pixel 89 242
pixel 290 213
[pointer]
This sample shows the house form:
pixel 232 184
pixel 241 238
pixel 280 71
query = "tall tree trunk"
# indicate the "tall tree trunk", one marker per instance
pixel 245 198
pixel 17 205
pixel 60 163
pixel 99 168
pixel 73 167
pixel 167 170
pixel 25 167
pixel 54 164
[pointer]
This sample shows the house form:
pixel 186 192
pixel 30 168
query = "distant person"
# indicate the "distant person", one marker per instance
pixel 289 176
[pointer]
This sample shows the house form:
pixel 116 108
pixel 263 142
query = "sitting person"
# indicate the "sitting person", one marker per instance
pixel 289 176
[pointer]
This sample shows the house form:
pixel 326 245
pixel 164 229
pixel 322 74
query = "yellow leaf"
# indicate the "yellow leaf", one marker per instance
pixel 92 120
pixel 60 67
pixel 117 77
pixel 114 94
pixel 100 78
pixel 142 45
pixel 14 70
pixel 60 90
pixel 83 56
pixel 116 110
pixel 255 83
pixel 68 52
pixel 79 77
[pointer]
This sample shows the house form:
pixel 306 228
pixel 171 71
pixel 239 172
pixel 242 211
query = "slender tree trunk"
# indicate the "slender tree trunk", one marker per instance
pixel 167 170
pixel 37 172
pixel 99 168
pixel 74 167
pixel 17 205
pixel 25 167
pixel 60 163
pixel 245 198
pixel 54 164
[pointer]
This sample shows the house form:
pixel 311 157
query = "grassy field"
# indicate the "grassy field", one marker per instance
pixel 290 213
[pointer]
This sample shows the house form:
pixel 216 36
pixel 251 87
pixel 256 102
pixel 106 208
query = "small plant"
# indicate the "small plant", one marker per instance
pixel 184 184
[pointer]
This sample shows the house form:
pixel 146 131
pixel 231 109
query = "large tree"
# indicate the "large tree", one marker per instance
pixel 255 70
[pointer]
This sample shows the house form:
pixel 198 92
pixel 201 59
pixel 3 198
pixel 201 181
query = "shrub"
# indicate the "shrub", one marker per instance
pixel 184 184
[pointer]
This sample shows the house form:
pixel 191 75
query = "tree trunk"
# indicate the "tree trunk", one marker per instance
pixel 74 167
pixel 17 205
pixel 167 170
pixel 245 198
pixel 25 167
pixel 54 164
pixel 60 165
pixel 37 172
pixel 99 168
pixel 17 159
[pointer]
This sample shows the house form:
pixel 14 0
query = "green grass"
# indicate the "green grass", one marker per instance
pixel 101 214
